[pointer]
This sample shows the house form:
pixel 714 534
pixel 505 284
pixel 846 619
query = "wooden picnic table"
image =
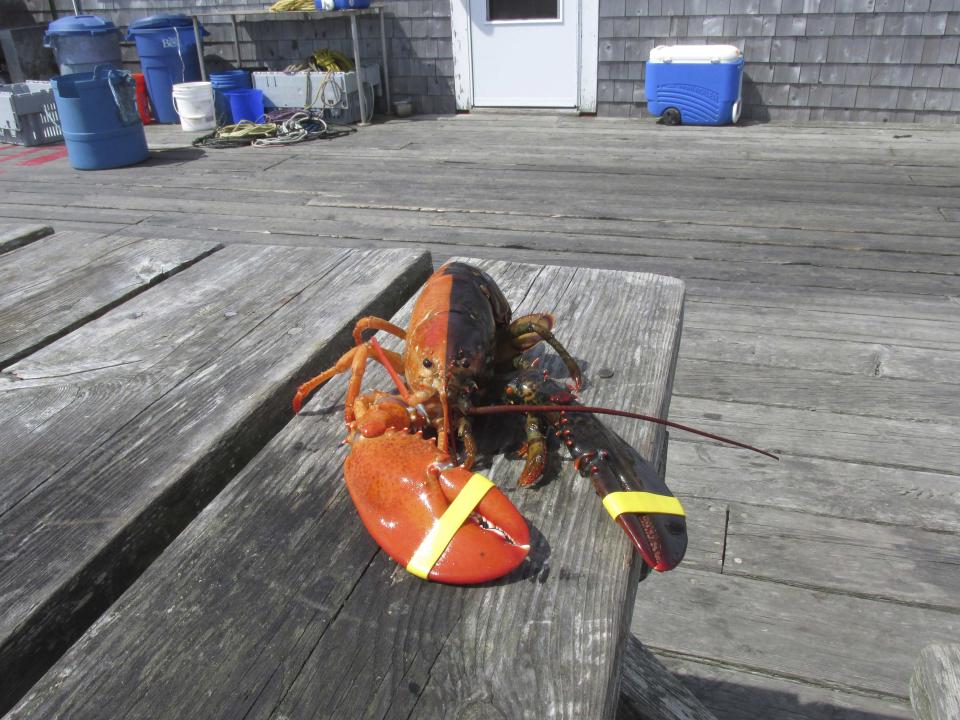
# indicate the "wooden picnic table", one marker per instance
pixel 147 381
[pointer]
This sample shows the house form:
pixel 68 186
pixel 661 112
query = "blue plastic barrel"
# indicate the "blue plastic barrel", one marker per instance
pixel 99 118
pixel 223 82
pixel 246 104
pixel 82 42
pixel 168 56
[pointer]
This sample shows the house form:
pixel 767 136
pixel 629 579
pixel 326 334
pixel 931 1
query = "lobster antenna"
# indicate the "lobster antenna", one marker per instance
pixel 382 356
pixel 497 409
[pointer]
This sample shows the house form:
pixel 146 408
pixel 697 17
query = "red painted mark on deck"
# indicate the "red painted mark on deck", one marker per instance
pixel 29 151
pixel 55 155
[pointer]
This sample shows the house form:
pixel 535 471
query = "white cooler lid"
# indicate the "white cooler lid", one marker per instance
pixel 695 54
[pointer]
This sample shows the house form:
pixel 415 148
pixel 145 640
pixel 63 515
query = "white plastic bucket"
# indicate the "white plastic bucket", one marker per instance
pixel 193 102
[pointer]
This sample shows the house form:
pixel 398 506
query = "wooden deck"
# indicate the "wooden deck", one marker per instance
pixel 822 320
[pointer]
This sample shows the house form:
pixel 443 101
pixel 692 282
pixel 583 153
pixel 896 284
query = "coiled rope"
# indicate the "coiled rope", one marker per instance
pixel 285 127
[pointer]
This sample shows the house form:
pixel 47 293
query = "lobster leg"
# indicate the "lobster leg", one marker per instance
pixel 535 450
pixel 469 442
pixel 371 322
pixel 527 331
pixel 354 361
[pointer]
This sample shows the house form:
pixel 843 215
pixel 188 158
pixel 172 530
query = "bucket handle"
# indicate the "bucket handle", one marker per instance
pixel 184 115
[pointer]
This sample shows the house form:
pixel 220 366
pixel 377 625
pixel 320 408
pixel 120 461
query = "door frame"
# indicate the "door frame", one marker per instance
pixel 588 32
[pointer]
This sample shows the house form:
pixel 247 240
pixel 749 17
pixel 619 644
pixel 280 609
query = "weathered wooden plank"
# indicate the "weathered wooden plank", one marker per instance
pixel 930 446
pixel 146 414
pixel 881 397
pixel 14 237
pixel 289 206
pixel 935 684
pixel 916 332
pixel 57 212
pixel 868 358
pixel 894 305
pixel 836 641
pixel 648 691
pixel 294 188
pixel 643 307
pixel 495 244
pixel 289 609
pixel 733 694
pixel 706 532
pixel 870 493
pixel 48 289
pixel 810 549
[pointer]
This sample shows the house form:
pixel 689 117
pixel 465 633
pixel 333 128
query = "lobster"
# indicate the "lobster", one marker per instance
pixel 428 511
pixel 405 486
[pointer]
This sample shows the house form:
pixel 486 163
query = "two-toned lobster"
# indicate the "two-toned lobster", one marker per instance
pixel 409 468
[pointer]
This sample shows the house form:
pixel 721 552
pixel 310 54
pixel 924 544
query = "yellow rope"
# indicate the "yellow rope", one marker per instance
pixel 293 6
pixel 246 129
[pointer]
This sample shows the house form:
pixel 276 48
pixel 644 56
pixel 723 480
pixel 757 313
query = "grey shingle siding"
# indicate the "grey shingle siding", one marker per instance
pixel 418 39
pixel 817 59
pixel 866 60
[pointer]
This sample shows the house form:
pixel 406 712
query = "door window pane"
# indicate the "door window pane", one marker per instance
pixel 522 10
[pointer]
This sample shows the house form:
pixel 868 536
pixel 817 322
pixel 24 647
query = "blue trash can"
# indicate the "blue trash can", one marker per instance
pixel 80 43
pixel 168 56
pixel 99 118
pixel 222 83
pixel 695 84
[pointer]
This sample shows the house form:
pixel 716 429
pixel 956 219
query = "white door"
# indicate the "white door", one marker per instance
pixel 525 52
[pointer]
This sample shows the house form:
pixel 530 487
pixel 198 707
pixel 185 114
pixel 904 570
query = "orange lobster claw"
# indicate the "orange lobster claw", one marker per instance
pixel 401 495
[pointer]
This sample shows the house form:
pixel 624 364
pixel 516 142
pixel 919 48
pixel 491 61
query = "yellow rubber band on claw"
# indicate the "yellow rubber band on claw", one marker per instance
pixel 446 527
pixel 636 501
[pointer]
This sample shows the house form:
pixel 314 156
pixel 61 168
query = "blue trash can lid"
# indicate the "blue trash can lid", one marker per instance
pixel 81 25
pixel 157 22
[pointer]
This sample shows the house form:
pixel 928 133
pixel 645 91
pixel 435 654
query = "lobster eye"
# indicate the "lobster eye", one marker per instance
pixel 427 363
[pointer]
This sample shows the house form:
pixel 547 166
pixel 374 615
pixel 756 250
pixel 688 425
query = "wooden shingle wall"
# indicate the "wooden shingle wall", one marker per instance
pixel 418 40
pixel 862 60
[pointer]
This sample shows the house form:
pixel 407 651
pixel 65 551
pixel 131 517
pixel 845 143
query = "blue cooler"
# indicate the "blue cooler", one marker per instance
pixel 168 56
pixel 695 84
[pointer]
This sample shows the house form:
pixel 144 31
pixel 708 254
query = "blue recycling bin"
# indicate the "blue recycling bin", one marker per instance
pixel 81 42
pixel 168 56
pixel 695 84
pixel 99 118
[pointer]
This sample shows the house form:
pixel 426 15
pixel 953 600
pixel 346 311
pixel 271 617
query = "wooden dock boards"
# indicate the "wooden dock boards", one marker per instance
pixel 827 639
pixel 12 237
pixel 47 289
pixel 115 435
pixel 648 691
pixel 742 694
pixel 868 493
pixel 275 602
pixel 842 555
pixel 935 685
